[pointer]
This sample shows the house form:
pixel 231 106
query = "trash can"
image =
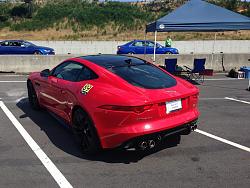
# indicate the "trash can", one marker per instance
pixel 246 70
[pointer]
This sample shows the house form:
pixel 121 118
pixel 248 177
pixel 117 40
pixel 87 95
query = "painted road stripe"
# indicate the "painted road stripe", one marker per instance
pixel 49 165
pixel 223 140
pixel 11 81
pixel 237 100
pixel 222 79
pixel 210 98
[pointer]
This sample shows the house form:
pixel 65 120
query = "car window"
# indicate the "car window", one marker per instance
pixel 150 44
pixel 86 74
pixel 68 71
pixel 27 44
pixel 138 43
pixel 14 43
pixel 5 43
pixel 145 76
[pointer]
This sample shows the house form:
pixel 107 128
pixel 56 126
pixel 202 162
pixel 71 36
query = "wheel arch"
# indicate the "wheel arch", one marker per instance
pixel 76 107
pixel 37 50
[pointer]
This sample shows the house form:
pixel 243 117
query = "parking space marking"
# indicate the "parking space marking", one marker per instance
pixel 49 165
pixel 222 79
pixel 223 140
pixel 11 81
pixel 210 98
pixel 237 100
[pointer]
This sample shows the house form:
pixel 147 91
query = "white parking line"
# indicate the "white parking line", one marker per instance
pixel 223 140
pixel 237 100
pixel 222 79
pixel 11 81
pixel 49 165
pixel 210 98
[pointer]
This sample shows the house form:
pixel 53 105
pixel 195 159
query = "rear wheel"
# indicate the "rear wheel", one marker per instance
pixel 33 100
pixel 85 132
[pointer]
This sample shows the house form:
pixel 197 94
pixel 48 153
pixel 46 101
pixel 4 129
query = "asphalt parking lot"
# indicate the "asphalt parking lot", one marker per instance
pixel 217 155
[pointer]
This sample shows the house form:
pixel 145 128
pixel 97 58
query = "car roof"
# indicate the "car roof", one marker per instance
pixel 142 40
pixel 13 41
pixel 109 60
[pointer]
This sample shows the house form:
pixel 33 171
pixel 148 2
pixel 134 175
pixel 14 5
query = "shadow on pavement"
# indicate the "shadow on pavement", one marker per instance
pixel 62 137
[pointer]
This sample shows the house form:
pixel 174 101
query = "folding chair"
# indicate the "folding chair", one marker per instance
pixel 197 73
pixel 170 65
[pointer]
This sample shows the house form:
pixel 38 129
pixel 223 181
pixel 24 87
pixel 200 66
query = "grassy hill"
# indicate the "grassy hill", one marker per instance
pixel 80 20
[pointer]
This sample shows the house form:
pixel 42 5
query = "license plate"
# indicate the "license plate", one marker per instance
pixel 173 106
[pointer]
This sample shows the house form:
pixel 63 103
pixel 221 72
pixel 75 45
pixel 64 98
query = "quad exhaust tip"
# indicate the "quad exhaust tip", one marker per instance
pixel 148 144
pixel 193 127
pixel 151 144
pixel 143 145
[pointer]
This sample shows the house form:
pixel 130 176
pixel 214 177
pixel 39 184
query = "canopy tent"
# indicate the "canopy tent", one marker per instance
pixel 199 16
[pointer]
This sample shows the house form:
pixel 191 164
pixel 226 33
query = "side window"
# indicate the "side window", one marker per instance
pixel 87 74
pixel 17 44
pixel 14 43
pixel 5 43
pixel 68 71
pixel 150 44
pixel 138 44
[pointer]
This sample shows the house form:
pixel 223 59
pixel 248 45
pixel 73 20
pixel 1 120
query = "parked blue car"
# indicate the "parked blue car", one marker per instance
pixel 23 47
pixel 139 46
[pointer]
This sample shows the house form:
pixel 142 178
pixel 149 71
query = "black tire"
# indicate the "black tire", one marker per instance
pixel 33 100
pixel 85 133
pixel 38 53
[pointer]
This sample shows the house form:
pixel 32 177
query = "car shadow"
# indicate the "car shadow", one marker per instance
pixel 62 137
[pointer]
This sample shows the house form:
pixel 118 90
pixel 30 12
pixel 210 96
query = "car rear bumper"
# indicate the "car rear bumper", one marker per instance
pixel 121 136
pixel 158 136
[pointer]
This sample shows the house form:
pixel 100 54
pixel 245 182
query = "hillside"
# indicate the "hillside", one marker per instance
pixel 81 20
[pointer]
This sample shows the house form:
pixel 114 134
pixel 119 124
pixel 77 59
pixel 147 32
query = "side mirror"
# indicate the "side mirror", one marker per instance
pixel 45 73
pixel 23 46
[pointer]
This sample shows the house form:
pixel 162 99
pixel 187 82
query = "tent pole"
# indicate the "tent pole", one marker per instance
pixel 155 46
pixel 215 36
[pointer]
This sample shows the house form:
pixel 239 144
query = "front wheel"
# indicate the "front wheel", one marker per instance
pixel 38 53
pixel 85 132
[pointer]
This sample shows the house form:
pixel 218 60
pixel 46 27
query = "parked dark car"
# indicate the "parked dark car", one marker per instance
pixel 141 46
pixel 23 47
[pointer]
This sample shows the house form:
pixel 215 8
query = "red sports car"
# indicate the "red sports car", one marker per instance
pixel 114 101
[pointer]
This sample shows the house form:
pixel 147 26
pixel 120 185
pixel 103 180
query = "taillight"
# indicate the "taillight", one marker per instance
pixel 118 48
pixel 136 109
pixel 194 100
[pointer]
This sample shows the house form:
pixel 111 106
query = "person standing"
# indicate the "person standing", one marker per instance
pixel 168 42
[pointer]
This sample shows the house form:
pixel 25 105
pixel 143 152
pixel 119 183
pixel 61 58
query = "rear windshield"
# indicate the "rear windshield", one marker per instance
pixel 144 75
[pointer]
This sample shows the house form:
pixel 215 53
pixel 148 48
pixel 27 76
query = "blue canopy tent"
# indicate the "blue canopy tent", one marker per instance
pixel 199 16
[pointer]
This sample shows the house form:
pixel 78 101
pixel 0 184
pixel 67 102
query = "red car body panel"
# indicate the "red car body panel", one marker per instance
pixel 116 127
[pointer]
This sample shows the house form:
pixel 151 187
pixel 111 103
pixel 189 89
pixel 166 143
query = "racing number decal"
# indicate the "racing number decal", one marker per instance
pixel 86 88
